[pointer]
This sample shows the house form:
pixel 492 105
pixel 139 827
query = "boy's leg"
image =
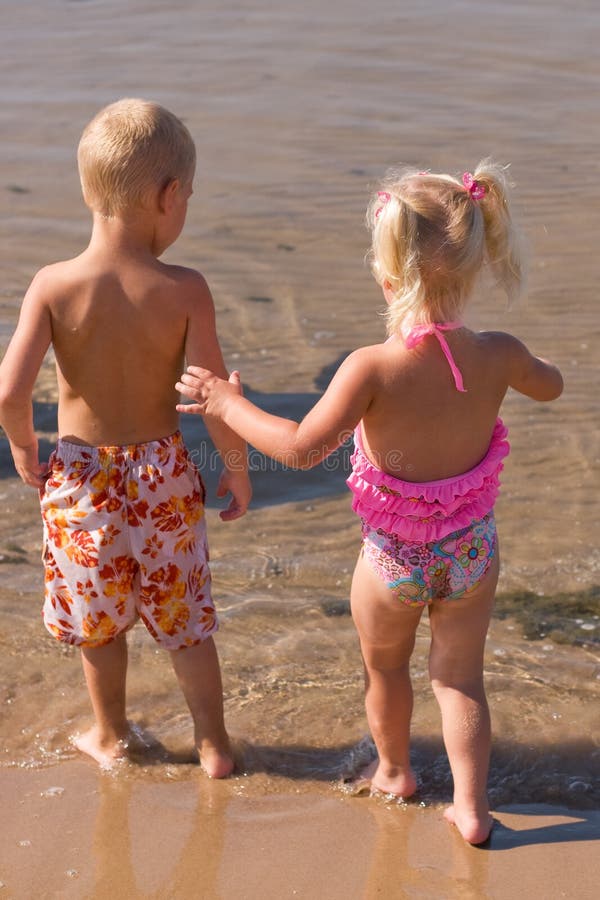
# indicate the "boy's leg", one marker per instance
pixel 459 629
pixel 197 668
pixel 386 628
pixel 105 670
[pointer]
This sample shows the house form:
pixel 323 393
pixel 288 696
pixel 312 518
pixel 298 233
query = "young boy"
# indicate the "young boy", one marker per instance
pixel 122 503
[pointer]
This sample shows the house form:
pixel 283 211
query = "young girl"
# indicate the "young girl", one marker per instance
pixel 429 450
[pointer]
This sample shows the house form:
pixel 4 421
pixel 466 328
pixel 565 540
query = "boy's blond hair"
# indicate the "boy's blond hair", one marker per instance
pixel 431 237
pixel 128 148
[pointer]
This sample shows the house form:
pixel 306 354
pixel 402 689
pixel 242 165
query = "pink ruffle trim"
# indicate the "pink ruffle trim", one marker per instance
pixel 427 511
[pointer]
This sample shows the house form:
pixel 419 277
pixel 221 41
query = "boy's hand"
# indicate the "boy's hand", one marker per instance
pixel 28 466
pixel 238 485
pixel 209 393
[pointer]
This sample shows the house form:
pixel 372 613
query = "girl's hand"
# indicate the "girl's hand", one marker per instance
pixel 209 393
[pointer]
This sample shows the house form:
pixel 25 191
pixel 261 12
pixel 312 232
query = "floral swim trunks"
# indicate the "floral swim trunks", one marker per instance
pixel 125 537
pixel 441 570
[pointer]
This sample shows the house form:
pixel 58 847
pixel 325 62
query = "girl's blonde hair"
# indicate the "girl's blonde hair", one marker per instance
pixel 431 235
pixel 129 147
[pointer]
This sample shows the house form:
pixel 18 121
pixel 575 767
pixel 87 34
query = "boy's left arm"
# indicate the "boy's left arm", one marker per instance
pixel 202 344
pixel 18 372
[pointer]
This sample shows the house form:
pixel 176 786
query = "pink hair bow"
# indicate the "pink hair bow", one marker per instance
pixel 385 198
pixel 476 190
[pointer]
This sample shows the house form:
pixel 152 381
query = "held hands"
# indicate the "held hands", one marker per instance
pixel 27 464
pixel 209 393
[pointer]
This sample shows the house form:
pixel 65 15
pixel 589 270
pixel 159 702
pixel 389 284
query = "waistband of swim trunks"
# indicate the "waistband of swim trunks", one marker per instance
pixel 70 451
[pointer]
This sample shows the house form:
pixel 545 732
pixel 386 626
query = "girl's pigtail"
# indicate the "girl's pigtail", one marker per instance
pixel 502 241
pixel 394 256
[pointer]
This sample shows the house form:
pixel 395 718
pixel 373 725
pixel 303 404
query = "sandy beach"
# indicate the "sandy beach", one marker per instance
pixel 297 110
pixel 103 837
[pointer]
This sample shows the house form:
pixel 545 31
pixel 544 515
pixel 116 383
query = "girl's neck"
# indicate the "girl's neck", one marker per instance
pixel 423 328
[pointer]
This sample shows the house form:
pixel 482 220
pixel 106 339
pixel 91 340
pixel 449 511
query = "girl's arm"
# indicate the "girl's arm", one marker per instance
pixel 297 445
pixel 532 376
pixel 18 373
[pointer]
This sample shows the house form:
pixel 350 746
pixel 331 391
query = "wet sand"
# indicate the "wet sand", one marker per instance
pixel 297 111
pixel 71 833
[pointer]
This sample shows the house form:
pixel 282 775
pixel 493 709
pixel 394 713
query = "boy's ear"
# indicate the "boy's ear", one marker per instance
pixel 167 194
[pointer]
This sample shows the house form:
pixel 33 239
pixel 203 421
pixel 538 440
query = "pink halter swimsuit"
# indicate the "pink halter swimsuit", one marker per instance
pixel 436 538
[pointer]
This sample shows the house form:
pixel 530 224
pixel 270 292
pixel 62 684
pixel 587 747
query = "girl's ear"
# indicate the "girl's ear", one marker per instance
pixel 388 292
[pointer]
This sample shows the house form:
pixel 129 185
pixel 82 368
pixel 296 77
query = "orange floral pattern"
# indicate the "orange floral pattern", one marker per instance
pixel 125 537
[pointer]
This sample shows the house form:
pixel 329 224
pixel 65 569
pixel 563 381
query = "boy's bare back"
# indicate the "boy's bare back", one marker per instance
pixel 119 326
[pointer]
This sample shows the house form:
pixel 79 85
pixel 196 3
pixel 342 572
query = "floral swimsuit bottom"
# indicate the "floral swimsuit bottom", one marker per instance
pixel 437 570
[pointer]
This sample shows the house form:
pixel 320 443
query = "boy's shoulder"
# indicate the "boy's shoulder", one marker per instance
pixel 183 275
pixel 189 284
pixel 59 283
pixel 54 278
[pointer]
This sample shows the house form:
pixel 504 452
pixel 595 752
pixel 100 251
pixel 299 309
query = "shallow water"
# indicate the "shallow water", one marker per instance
pixel 294 124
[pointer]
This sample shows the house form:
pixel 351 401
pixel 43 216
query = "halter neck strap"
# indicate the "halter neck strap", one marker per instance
pixel 418 332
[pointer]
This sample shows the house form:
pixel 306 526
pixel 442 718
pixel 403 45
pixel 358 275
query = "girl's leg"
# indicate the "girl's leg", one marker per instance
pixel 197 669
pixel 386 628
pixel 105 670
pixel 459 629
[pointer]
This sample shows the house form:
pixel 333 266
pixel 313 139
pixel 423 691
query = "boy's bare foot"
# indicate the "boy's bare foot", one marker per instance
pixel 215 763
pixel 475 829
pixel 395 780
pixel 106 753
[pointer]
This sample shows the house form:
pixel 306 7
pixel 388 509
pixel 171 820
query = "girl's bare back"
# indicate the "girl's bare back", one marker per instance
pixel 416 409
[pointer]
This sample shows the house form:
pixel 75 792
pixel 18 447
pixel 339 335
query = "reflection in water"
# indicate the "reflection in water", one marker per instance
pixel 441 865
pixel 205 839
pixel 152 840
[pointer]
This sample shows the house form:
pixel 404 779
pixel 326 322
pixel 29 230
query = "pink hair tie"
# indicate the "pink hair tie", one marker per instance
pixel 476 190
pixel 385 198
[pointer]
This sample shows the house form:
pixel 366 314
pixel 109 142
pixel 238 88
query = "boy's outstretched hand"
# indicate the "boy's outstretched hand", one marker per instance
pixel 209 393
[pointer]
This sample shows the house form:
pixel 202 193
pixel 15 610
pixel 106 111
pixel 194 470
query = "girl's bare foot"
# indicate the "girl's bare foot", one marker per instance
pixel 474 828
pixel 389 780
pixel 107 753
